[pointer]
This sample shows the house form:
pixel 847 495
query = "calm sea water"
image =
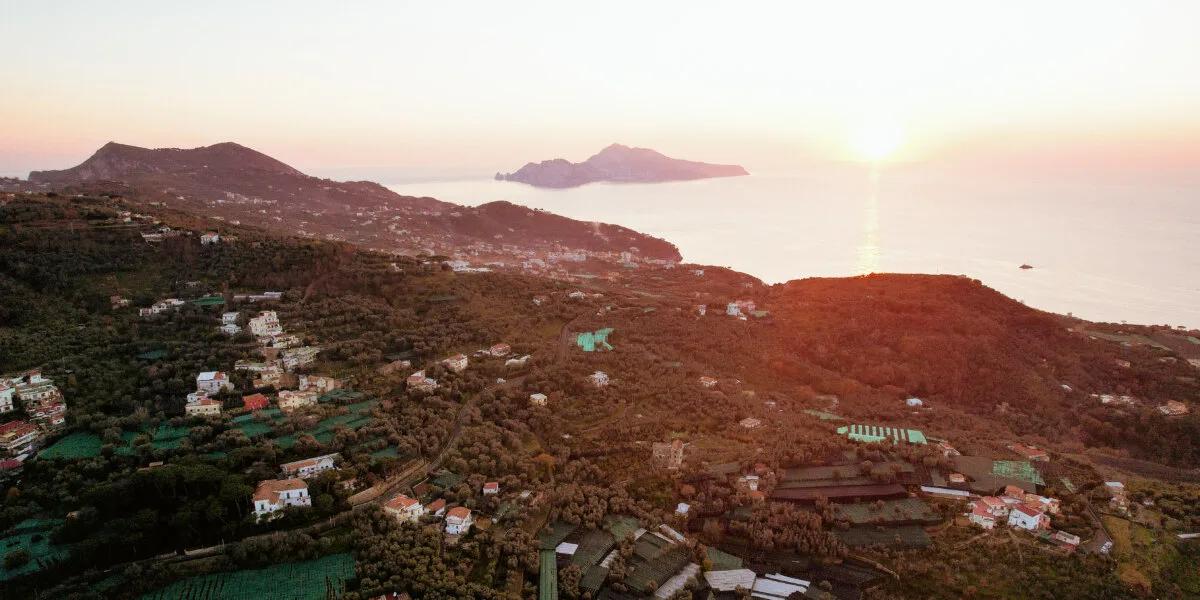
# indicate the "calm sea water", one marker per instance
pixel 1119 251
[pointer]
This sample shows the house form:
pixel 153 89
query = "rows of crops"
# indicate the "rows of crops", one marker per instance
pixel 308 580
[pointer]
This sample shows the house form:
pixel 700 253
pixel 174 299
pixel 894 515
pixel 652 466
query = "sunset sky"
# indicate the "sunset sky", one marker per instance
pixel 443 89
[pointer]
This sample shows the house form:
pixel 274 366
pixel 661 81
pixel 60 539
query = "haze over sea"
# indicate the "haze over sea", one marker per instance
pixel 1106 251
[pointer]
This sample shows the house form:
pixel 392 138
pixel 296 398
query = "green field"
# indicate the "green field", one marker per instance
pixel 309 580
pixel 33 536
pixel 81 444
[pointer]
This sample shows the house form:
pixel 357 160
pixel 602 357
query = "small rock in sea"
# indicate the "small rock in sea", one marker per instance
pixel 1026 266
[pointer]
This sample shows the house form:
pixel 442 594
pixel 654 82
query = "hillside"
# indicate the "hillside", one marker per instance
pixel 240 185
pixel 618 164
pixel 131 479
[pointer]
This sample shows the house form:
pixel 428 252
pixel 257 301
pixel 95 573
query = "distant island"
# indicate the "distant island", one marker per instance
pixel 618 163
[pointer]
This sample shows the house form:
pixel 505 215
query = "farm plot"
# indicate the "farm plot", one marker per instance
pixel 317 579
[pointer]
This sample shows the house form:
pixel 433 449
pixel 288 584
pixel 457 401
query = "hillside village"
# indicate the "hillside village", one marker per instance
pixel 434 430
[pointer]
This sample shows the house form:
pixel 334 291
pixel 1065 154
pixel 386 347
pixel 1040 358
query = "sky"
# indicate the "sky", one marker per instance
pixel 400 90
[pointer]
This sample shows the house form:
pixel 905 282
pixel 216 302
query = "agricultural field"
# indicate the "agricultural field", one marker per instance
pixel 902 511
pixel 905 536
pixel 1144 556
pixel 32 537
pixel 80 444
pixel 308 580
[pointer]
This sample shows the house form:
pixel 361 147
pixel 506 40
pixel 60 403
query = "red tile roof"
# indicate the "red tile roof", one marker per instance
pixel 436 505
pixel 400 502
pixel 17 428
pixel 459 512
pixel 270 489
pixel 255 401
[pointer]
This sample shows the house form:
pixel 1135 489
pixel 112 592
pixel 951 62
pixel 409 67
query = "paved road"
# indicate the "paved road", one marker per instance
pixel 1101 535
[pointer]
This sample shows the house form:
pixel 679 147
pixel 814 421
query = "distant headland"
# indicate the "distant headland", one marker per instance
pixel 617 163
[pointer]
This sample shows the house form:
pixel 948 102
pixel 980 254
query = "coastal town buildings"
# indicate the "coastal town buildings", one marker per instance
pixel 18 437
pixel 266 324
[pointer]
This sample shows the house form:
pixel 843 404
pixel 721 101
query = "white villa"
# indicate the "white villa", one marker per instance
pixel 289 400
pixel 459 520
pixel 266 324
pixel 274 494
pixel 206 406
pixel 310 467
pixel 213 382
pixel 456 363
pixel 404 508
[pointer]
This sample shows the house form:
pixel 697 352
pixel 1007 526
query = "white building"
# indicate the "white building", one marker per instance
pixel 418 381
pixel 7 391
pixel 459 520
pixel 319 383
pixel 229 317
pixel 537 399
pixel 499 350
pixel 210 237
pixel 266 324
pixel 708 382
pixel 231 329
pixel 914 403
pixel 405 509
pixel 213 382
pixel 682 509
pixel 1027 517
pixel 980 516
pixel 598 379
pixel 204 407
pixel 294 358
pixel 491 488
pixel 310 467
pixel 750 423
pixel 289 400
pixel 456 363
pixel 517 362
pixel 274 494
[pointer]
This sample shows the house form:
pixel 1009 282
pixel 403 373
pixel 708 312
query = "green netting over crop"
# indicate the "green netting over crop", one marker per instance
pixel 877 433
pixel 209 301
pixel 590 340
pixel 32 536
pixel 81 444
pixel 1017 469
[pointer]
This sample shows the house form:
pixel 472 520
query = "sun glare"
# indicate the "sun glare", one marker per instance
pixel 875 142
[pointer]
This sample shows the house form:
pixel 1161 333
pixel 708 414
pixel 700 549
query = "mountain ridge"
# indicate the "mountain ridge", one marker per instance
pixel 242 185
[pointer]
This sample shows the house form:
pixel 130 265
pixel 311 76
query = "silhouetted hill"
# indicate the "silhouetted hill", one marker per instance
pixel 618 163
pixel 241 185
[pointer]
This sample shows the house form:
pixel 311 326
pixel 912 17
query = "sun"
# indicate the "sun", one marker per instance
pixel 875 142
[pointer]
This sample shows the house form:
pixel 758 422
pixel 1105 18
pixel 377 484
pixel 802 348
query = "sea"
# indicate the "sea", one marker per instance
pixel 1103 249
